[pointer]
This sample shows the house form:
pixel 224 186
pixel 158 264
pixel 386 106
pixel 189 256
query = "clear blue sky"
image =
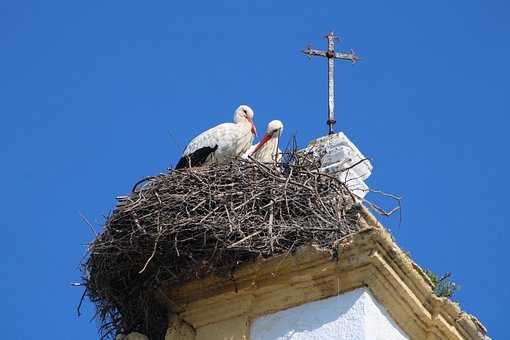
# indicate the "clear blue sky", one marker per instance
pixel 91 92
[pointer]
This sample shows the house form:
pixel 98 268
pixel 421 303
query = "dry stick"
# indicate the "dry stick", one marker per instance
pixel 244 239
pixel 370 204
pixel 398 199
pixel 88 223
pixel 81 301
pixel 381 210
pixel 175 245
pixel 140 182
pixel 353 195
pixel 285 189
pixel 271 217
pixel 355 164
pixel 248 201
pixel 209 214
pixel 241 186
pixel 292 182
pixel 151 257
pixel 229 220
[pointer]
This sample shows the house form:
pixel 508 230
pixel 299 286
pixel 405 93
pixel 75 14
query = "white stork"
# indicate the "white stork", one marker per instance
pixel 267 151
pixel 221 143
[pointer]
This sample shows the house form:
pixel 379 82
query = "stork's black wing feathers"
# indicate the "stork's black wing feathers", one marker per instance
pixel 196 158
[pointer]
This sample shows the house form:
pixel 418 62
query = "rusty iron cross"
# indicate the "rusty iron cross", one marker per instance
pixel 331 54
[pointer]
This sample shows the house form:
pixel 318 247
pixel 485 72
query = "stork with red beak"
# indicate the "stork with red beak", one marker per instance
pixel 267 151
pixel 222 143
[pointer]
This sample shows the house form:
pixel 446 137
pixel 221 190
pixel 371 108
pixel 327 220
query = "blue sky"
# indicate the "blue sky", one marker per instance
pixel 96 95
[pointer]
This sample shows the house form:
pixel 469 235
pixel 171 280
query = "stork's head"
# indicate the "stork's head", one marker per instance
pixel 245 113
pixel 274 128
pixel 273 131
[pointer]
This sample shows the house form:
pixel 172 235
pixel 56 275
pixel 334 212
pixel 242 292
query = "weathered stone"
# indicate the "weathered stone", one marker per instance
pixel 226 308
pixel 338 153
pixel 131 336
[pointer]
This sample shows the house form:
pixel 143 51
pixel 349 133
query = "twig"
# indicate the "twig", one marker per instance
pixel 88 223
pixel 244 239
pixel 81 301
pixel 190 223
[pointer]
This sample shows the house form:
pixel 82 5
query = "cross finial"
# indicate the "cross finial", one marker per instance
pixel 331 54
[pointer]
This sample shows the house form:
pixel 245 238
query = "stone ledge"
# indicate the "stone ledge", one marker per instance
pixel 369 258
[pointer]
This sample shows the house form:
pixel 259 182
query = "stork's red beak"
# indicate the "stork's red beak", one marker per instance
pixel 253 127
pixel 264 140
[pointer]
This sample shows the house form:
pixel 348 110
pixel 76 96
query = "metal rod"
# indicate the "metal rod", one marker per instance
pixel 331 55
pixel 331 83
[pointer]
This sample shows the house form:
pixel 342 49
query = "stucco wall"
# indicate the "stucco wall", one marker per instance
pixel 355 315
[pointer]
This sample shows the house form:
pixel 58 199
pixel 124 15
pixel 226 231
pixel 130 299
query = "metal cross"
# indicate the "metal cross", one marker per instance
pixel 331 55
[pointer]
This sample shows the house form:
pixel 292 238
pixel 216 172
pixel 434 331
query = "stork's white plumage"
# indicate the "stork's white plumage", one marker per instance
pixel 267 151
pixel 221 143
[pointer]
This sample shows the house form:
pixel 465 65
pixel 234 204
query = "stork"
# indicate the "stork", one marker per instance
pixel 267 151
pixel 221 143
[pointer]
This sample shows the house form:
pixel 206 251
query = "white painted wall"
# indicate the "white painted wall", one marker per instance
pixel 355 315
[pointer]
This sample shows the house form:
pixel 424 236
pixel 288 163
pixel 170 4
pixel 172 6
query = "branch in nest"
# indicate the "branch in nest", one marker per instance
pixel 187 224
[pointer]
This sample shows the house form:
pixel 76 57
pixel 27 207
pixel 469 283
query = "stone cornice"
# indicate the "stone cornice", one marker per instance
pixel 368 258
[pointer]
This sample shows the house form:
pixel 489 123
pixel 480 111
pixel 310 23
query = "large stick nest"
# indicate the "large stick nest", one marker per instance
pixel 187 224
